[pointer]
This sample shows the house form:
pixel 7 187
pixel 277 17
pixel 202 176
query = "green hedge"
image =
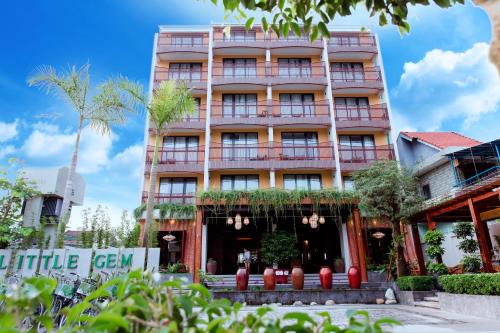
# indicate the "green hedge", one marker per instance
pixel 473 284
pixel 415 283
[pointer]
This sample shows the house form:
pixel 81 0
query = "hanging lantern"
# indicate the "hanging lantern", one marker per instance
pixel 237 225
pixel 321 220
pixel 169 237
pixel 378 235
pixel 237 218
pixel 313 223
pixel 305 220
pixel 314 218
pixel 229 220
pixel 246 221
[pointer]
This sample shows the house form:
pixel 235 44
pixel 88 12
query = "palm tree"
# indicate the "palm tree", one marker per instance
pixel 170 103
pixel 105 108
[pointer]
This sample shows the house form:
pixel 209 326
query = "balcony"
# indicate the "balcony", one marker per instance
pixel 304 77
pixel 194 123
pixel 196 80
pixel 293 45
pixel 352 46
pixel 319 156
pixel 358 117
pixel 240 42
pixel 239 78
pixel 170 160
pixel 240 156
pixel 300 115
pixel 174 46
pixel 355 158
pixel 181 198
pixel 366 81
pixel 234 115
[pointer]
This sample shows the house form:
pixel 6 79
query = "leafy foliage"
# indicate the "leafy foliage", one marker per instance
pixel 436 268
pixel 473 284
pixel 464 231
pixel 415 283
pixel 289 15
pixel 100 234
pixel 434 248
pixel 279 247
pixel 144 305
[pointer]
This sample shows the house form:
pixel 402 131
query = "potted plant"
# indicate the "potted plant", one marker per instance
pixel 176 271
pixel 279 249
pixel 339 265
pixel 211 266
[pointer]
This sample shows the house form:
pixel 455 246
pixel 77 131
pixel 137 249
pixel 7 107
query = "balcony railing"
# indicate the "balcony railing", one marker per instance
pixel 237 72
pixel 299 110
pixel 351 40
pixel 320 151
pixel 162 74
pixel 305 71
pixel 182 40
pixel 359 112
pixel 365 155
pixel 180 198
pixel 364 75
pixel 241 111
pixel 239 152
pixel 190 155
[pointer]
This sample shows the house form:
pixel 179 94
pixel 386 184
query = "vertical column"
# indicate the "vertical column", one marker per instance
pixel 482 235
pixel 203 246
pixel 345 245
pixel 270 131
pixel 197 245
pixel 337 178
pixel 361 245
pixel 417 244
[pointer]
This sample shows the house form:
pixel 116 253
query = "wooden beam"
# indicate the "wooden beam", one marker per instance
pixel 490 214
pixel 197 246
pixel 482 235
pixel 361 245
pixel 463 203
pixel 417 244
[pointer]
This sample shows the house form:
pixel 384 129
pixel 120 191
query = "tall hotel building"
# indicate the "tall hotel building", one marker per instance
pixel 272 113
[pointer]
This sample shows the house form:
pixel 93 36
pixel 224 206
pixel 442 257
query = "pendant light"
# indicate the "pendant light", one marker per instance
pixel 246 221
pixel 321 220
pixel 237 218
pixel 237 225
pixel 229 220
pixel 305 220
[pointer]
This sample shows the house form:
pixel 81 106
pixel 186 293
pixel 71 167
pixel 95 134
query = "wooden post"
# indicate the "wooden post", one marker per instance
pixel 353 246
pixel 417 244
pixel 197 245
pixel 361 245
pixel 482 235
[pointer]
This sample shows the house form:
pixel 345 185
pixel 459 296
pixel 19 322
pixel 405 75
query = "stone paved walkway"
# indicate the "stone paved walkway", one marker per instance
pixel 415 320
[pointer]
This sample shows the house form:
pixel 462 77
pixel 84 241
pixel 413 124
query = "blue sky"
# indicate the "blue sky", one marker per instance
pixel 438 78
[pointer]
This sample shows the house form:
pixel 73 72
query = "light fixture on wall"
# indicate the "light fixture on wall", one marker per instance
pixel 169 237
pixel 246 221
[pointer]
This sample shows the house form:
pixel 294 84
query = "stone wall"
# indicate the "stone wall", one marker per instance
pixel 440 180
pixel 472 305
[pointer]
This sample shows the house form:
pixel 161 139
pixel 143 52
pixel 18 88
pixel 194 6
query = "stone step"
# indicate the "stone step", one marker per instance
pixel 428 304
pixel 431 299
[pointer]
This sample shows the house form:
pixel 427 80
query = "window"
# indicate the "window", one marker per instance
pixel 426 191
pixel 294 67
pixel 239 105
pixel 239 146
pixel 239 183
pixel 241 36
pixel 240 67
pixel 300 145
pixel 177 190
pixel 352 108
pixel 302 182
pixel 187 40
pixel 345 40
pixel 184 71
pixel 297 105
pixel 357 147
pixel 348 183
pixel 347 71
pixel 180 149
pixel 196 114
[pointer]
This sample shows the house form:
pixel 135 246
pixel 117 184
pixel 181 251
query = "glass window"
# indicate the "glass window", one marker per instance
pixel 300 145
pixel 357 147
pixel 240 182
pixel 347 71
pixel 239 105
pixel 241 36
pixel 240 67
pixel 184 71
pixel 178 149
pixel 302 182
pixel 352 107
pixel 179 40
pixel 348 183
pixel 294 67
pixel 177 190
pixel 239 146
pixel 297 105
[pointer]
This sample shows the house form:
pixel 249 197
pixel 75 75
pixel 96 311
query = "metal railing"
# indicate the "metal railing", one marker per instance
pixel 352 40
pixel 181 40
pixel 240 152
pixel 483 175
pixel 364 155
pixel 191 155
pixel 162 74
pixel 177 198
pixel 320 151
pixel 221 110
pixel 360 112
pixel 364 75
pixel 312 70
pixel 249 71
pixel 299 110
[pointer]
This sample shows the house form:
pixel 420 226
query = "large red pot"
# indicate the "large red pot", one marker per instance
pixel 212 267
pixel 297 278
pixel 354 277
pixel 325 277
pixel 242 278
pixel 269 279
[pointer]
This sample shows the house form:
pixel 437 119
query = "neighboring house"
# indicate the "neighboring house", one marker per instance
pixel 51 182
pixel 452 169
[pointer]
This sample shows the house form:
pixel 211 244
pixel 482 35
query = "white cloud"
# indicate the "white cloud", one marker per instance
pixel 447 86
pixel 6 151
pixel 114 212
pixel 129 161
pixel 8 131
pixel 45 127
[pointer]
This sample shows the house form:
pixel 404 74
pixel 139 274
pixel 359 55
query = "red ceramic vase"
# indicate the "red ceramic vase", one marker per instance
pixel 354 277
pixel 325 277
pixel 211 267
pixel 242 279
pixel 297 278
pixel 269 279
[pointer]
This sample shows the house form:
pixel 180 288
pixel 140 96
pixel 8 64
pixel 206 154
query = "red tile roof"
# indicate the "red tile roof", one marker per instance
pixel 443 140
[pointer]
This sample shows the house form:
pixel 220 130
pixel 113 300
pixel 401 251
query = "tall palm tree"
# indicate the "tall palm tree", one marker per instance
pixel 170 103
pixel 107 107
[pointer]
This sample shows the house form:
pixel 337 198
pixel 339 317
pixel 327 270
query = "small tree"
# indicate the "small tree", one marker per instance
pixel 434 248
pixel 278 248
pixel 464 231
pixel 389 192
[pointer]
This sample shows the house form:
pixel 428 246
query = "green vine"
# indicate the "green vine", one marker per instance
pixel 167 208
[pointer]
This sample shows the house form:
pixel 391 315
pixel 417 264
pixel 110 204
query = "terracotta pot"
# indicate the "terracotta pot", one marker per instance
pixel 298 278
pixel 339 265
pixel 269 279
pixel 354 277
pixel 242 279
pixel 325 277
pixel 212 267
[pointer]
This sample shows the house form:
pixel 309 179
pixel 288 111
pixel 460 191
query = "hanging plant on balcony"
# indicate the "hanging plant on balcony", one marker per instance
pixel 177 210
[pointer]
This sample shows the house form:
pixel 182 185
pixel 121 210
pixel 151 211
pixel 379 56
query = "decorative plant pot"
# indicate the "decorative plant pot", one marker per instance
pixel 269 279
pixel 354 277
pixel 281 276
pixel 339 265
pixel 325 277
pixel 242 278
pixel 297 278
pixel 212 267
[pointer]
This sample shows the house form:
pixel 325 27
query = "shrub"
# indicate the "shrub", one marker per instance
pixel 415 283
pixel 464 231
pixel 436 268
pixel 473 284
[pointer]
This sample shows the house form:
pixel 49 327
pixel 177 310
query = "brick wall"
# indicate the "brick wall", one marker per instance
pixel 440 180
